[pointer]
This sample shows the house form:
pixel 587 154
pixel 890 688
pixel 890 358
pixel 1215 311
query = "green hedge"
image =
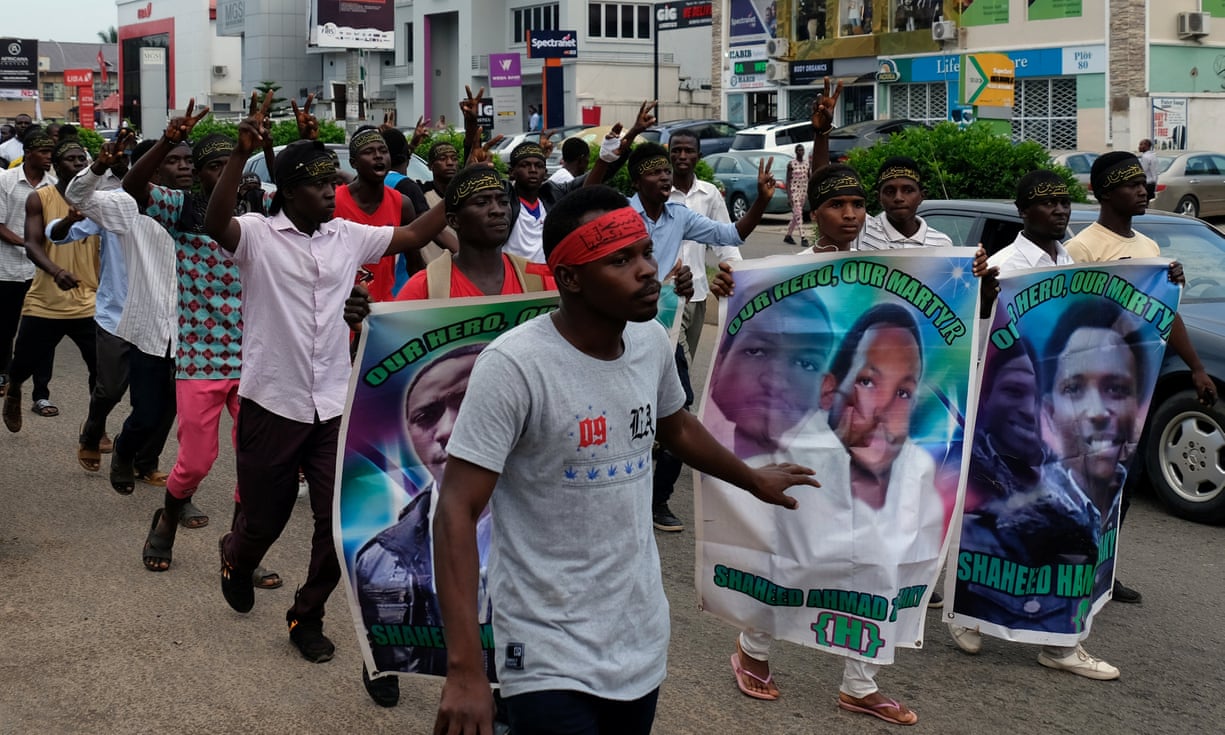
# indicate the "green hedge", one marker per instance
pixel 961 163
pixel 283 131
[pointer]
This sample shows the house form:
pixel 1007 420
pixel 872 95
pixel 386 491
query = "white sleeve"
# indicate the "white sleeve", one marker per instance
pixel 112 210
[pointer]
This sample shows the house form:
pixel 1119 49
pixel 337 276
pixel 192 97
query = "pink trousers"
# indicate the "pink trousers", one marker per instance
pixel 199 406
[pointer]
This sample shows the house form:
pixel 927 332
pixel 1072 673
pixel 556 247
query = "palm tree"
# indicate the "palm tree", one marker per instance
pixel 110 35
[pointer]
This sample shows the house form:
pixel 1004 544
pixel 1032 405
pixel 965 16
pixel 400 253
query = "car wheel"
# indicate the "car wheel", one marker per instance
pixel 1186 457
pixel 738 207
pixel 1188 206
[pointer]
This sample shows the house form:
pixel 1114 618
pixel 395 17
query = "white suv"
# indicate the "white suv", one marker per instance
pixel 773 135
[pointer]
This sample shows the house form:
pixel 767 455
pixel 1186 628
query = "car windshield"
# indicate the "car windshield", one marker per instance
pixel 778 168
pixel 748 141
pixel 1164 163
pixel 1198 246
pixel 651 136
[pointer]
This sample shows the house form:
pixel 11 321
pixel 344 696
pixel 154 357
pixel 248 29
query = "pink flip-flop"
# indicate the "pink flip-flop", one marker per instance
pixel 875 710
pixel 741 672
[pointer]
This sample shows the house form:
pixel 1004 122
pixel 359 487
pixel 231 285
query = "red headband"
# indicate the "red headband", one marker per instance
pixel 602 236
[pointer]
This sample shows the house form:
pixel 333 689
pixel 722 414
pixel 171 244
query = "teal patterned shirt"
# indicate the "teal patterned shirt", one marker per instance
pixel 210 295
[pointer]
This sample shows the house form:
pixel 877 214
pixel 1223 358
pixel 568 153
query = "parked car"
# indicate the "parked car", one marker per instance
pixel 845 139
pixel 1191 183
pixel 1081 163
pixel 716 136
pixel 556 136
pixel 863 135
pixel 1183 449
pixel 737 172
pixel 418 169
pixel 773 135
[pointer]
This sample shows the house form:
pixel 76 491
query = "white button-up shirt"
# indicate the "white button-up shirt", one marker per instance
pixel 15 188
pixel 1023 253
pixel 704 199
pixel 295 351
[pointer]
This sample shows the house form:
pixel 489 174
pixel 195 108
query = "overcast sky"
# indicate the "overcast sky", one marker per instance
pixel 59 20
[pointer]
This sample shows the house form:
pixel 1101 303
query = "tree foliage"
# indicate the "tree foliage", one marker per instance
pixel 962 163
pixel 110 35
pixel 283 131
pixel 91 139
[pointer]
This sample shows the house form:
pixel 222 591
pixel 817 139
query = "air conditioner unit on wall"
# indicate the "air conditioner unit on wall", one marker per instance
pixel 220 71
pixel 944 30
pixel 1193 25
pixel 778 72
pixel 776 47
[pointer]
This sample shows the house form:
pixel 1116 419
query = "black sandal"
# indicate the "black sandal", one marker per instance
pixel 123 475
pixel 157 547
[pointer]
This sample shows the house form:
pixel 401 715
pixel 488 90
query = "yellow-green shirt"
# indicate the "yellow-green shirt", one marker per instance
pixel 81 258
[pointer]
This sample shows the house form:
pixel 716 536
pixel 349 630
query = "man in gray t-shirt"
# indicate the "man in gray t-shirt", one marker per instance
pixel 559 418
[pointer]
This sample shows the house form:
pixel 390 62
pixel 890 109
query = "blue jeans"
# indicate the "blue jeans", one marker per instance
pixel 577 713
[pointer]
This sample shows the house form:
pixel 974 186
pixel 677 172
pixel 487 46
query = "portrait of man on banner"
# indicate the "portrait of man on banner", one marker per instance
pixel 1066 383
pixel 845 365
pixel 410 378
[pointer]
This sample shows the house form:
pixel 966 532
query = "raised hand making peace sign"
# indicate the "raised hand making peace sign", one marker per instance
pixel 180 127
pixel 308 126
pixel 823 109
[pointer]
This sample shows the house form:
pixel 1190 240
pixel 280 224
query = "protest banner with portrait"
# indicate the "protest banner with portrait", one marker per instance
pixel 410 375
pixel 1067 377
pixel 409 378
pixel 859 367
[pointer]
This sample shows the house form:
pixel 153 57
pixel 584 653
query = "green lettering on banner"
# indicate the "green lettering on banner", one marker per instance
pixel 1089 282
pixel 409 352
pixel 924 299
pixel 753 307
pixel 1150 309
pixel 759 588
pixel 833 630
pixel 861 604
pixel 436 338
pixel 1004 575
pixel 422 636
pixel 865 272
pixel 1074 580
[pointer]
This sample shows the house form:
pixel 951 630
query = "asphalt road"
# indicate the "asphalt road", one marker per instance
pixel 94 643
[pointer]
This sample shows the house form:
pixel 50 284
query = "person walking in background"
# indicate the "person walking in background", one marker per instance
pixel 1148 162
pixel 797 193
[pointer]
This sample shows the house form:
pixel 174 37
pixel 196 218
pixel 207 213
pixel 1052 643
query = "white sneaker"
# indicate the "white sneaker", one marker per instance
pixel 1081 663
pixel 967 639
pixel 303 487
